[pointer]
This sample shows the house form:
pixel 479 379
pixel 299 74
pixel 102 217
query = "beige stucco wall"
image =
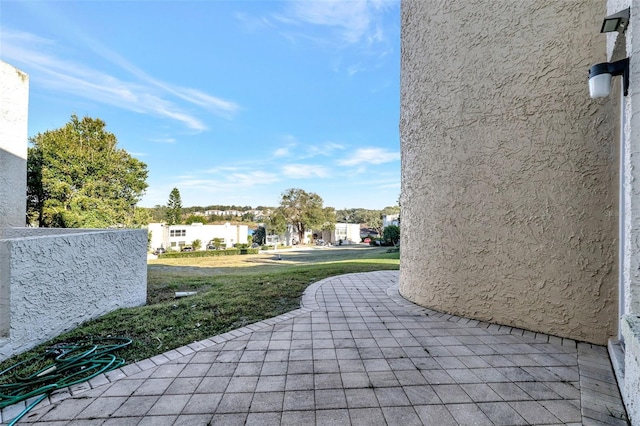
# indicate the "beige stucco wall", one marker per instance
pixel 509 169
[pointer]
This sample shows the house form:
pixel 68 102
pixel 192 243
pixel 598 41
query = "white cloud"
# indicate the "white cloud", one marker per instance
pixel 147 95
pixel 163 140
pixel 350 18
pixel 352 22
pixel 326 150
pixel 370 156
pixel 251 23
pixel 281 152
pixel 304 171
pixel 227 182
pixel 223 169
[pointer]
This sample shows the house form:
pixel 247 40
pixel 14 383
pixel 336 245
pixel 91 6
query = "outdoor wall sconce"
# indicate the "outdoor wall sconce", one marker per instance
pixel 616 22
pixel 600 77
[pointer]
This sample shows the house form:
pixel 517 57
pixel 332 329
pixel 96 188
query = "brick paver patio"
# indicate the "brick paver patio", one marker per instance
pixel 355 353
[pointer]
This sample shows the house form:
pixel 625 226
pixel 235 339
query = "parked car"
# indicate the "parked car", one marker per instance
pixel 187 248
pixel 211 247
pixel 160 250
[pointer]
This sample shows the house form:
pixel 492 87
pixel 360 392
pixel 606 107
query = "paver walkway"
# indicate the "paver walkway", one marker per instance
pixel 355 353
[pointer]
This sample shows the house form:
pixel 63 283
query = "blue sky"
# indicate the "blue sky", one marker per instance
pixel 232 102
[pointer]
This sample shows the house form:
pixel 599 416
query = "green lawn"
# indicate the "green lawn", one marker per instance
pixel 232 292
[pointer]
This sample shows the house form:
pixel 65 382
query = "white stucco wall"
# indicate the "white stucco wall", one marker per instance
pixel 14 105
pixel 349 233
pixel 60 278
pixel 620 45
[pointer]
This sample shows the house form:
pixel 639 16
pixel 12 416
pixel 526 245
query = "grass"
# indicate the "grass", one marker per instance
pixel 232 292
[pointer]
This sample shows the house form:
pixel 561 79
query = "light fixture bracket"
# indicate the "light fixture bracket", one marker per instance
pixel 620 67
pixel 616 22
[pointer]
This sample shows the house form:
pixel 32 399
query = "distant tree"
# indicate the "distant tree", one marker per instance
pixel 196 244
pixel 174 208
pixel 218 243
pixel 141 216
pixel 302 209
pixel 158 213
pixel 390 210
pixel 391 234
pixel 215 218
pixel 277 223
pixel 77 177
pixel 347 215
pixel 260 235
pixel 373 219
pixel 194 219
pixel 329 223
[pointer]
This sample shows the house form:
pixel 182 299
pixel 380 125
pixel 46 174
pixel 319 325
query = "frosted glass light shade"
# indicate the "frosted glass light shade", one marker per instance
pixel 600 85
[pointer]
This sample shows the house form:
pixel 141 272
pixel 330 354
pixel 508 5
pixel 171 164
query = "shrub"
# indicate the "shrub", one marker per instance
pixel 209 253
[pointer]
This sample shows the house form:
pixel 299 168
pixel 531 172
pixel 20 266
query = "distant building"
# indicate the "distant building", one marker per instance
pixel 177 236
pixel 390 219
pixel 348 233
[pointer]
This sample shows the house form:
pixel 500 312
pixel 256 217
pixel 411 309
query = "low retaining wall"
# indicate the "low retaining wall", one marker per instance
pixel 52 280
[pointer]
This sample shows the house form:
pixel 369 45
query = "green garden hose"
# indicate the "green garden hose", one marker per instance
pixel 59 366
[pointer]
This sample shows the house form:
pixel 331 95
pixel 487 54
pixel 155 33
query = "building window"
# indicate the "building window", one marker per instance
pixel 178 233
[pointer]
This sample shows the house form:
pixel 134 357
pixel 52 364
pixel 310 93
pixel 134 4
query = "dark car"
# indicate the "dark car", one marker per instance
pixel 187 248
pixel 160 250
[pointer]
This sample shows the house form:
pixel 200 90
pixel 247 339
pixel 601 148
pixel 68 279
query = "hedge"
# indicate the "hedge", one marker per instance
pixel 208 253
pixel 270 247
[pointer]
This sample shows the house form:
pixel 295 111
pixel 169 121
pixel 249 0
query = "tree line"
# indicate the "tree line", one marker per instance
pixel 77 177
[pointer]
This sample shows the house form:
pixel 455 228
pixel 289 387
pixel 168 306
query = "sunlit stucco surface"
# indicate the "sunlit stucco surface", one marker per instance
pixel 509 169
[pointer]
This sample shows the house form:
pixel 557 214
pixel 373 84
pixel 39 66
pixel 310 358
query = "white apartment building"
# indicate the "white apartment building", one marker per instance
pixel 177 236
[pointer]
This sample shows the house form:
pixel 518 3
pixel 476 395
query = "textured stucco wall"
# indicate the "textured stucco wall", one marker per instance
pixel 509 170
pixel 631 385
pixel 623 46
pixel 14 105
pixel 619 46
pixel 57 282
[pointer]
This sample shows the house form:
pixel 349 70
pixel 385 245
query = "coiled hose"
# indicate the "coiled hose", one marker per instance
pixel 59 366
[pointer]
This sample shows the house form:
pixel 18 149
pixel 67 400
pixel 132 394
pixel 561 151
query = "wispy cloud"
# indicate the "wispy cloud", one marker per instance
pixel 339 25
pixel 281 152
pixel 163 140
pixel 228 182
pixel 370 156
pixel 304 171
pixel 327 149
pixel 140 92
pixel 354 21
pixel 251 23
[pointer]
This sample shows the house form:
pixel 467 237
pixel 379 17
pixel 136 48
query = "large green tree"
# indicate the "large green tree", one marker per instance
pixel 391 234
pixel 77 177
pixel 304 211
pixel 276 224
pixel 174 208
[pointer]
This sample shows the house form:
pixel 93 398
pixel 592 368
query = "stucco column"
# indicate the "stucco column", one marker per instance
pixel 509 169
pixel 14 102
pixel 14 105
